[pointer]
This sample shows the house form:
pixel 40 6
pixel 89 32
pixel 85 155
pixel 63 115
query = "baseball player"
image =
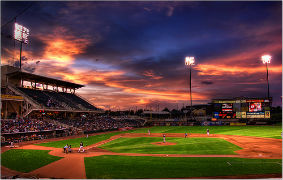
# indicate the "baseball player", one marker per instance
pixel 70 148
pixel 12 144
pixel 81 147
pixel 65 148
pixel 186 135
pixel 149 132
pixel 164 140
pixel 207 132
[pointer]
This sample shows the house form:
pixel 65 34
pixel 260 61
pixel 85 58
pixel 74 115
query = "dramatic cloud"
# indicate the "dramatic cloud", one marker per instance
pixel 131 54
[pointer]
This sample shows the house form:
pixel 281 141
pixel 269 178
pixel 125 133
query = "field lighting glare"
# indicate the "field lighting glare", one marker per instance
pixel 266 59
pixel 189 61
pixel 21 33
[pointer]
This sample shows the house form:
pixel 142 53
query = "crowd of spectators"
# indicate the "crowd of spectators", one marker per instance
pixel 18 130
pixel 26 125
pixel 101 123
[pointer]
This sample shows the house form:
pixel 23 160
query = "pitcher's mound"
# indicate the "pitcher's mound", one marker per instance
pixel 163 144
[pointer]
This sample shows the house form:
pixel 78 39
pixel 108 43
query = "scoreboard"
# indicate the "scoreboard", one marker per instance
pixel 248 108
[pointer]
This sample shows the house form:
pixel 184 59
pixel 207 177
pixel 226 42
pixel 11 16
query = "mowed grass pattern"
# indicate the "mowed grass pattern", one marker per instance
pixel 76 141
pixel 258 131
pixel 135 167
pixel 183 146
pixel 26 160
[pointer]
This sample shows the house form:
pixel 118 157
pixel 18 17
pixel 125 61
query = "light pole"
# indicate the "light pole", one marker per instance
pixel 189 61
pixel 21 34
pixel 266 60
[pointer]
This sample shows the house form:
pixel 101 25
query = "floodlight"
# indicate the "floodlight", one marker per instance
pixel 190 61
pixel 266 59
pixel 21 33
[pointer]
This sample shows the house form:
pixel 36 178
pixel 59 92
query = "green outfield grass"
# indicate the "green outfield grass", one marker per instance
pixel 259 131
pixel 76 141
pixel 26 160
pixel 183 146
pixel 134 167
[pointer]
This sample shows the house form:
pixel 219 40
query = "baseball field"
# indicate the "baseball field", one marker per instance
pixel 228 152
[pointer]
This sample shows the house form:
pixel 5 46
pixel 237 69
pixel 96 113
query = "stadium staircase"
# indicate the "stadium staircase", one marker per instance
pixel 27 98
pixel 30 103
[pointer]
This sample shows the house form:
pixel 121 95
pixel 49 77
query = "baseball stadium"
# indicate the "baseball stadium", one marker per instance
pixel 63 136
pixel 141 90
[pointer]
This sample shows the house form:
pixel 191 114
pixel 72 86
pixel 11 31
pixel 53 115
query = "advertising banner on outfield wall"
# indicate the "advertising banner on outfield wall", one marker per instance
pixel 216 115
pixel 238 115
pixel 244 114
pixel 237 124
pixel 267 114
pixel 255 114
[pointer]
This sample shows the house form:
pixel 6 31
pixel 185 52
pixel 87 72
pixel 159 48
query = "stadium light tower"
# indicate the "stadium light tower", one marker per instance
pixel 266 60
pixel 21 34
pixel 189 61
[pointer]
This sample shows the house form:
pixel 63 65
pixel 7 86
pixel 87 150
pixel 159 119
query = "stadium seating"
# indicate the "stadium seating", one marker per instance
pixel 101 123
pixel 78 100
pixel 36 95
pixel 26 125
pixel 52 99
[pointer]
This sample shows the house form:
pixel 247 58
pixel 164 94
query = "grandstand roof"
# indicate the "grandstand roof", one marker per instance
pixel 42 79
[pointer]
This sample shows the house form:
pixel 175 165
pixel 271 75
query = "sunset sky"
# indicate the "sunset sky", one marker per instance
pixel 130 54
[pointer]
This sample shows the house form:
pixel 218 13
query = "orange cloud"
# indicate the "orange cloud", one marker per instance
pixel 244 56
pixel 62 46
pixel 83 77
pixel 151 74
pixel 217 70
pixel 162 95
pixel 10 55
pixel 143 101
pixel 63 51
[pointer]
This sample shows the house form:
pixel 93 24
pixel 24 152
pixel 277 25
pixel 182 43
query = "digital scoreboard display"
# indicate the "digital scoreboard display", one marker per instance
pixel 255 107
pixel 224 115
pixel 227 107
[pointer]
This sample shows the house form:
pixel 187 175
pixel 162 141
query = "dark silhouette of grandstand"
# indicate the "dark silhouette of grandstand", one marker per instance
pixel 25 93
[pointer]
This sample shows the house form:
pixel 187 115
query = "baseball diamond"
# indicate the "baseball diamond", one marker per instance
pixel 133 154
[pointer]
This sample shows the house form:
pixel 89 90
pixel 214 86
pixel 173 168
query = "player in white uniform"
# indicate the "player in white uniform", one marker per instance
pixel 164 140
pixel 81 147
pixel 149 132
pixel 65 148
pixel 207 132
